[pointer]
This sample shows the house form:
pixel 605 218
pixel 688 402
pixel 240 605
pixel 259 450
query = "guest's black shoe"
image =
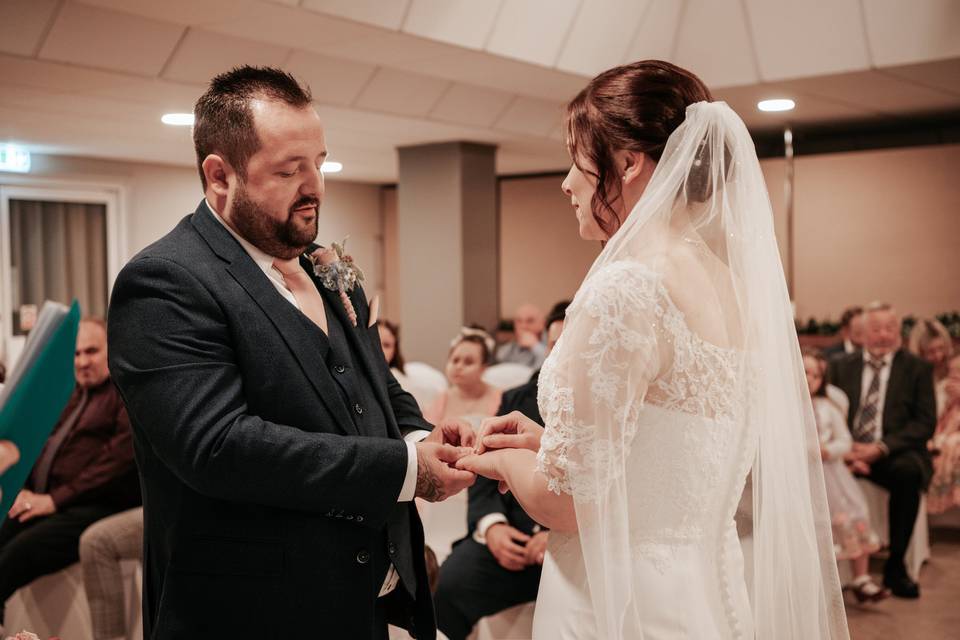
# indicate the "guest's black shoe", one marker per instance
pixel 902 586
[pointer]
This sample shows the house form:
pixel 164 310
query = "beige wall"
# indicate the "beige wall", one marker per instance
pixel 543 258
pixel 868 225
pixel 878 225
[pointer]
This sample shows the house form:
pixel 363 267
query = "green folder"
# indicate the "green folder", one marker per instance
pixel 37 392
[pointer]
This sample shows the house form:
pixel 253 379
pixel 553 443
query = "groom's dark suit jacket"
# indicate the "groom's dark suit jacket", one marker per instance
pixel 270 454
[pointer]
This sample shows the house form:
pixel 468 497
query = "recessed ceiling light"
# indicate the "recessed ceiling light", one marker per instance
pixel 778 104
pixel 331 167
pixel 178 119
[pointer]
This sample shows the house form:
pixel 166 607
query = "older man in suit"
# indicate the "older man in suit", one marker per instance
pixel 85 472
pixel 279 456
pixel 892 415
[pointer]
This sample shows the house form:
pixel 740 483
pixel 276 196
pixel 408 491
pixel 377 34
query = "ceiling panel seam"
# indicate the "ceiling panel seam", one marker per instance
pixel 636 32
pixel 866 35
pixel 676 30
pixel 42 40
pixel 402 27
pixel 439 99
pixel 366 84
pixel 918 83
pixel 485 46
pixel 748 25
pixel 566 36
pixel 173 52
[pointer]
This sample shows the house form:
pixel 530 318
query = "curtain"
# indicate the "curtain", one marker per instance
pixel 58 252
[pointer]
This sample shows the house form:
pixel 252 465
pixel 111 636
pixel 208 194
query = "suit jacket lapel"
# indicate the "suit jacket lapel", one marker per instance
pixel 856 388
pixel 893 384
pixel 300 338
pixel 357 337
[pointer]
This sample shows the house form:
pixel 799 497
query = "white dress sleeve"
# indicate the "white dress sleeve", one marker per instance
pixel 595 382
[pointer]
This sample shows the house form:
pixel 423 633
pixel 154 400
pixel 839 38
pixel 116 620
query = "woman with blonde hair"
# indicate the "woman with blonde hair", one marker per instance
pixel 931 341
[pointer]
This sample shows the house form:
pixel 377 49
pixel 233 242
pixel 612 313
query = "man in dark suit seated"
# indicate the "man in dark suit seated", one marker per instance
pixel 498 564
pixel 85 472
pixel 851 334
pixel 892 415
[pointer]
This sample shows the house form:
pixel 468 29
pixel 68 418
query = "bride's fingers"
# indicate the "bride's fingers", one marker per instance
pixel 503 441
pixel 490 426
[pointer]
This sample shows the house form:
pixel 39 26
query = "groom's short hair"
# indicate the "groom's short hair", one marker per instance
pixel 223 121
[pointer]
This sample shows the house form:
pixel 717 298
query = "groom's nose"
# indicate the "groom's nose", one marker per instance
pixel 313 183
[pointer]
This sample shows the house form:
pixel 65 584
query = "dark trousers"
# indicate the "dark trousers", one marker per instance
pixel 42 545
pixel 905 476
pixel 473 585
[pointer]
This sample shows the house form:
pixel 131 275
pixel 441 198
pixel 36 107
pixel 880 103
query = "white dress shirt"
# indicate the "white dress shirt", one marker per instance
pixel 865 388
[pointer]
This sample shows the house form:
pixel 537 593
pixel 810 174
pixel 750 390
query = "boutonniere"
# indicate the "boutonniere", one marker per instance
pixel 337 272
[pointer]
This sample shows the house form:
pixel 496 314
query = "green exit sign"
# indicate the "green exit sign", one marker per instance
pixel 14 158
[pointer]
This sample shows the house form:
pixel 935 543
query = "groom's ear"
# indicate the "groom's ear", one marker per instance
pixel 218 172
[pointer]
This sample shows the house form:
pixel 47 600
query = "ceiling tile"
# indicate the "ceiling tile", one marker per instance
pixel 292 28
pixel 400 92
pixel 202 55
pixel 332 80
pixel 878 92
pixel 388 15
pixel 514 35
pixel 943 74
pixel 184 12
pixel 802 39
pixel 917 31
pixel 601 35
pixel 465 23
pixel 387 48
pixel 501 74
pixel 95 37
pixel 470 105
pixel 530 117
pixel 23 23
pixel 163 96
pixel 656 33
pixel 55 76
pixel 714 43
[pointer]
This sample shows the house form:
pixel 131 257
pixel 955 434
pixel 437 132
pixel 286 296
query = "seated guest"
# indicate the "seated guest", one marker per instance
pixel 85 472
pixel 498 564
pixel 931 341
pixel 944 492
pixel 892 415
pixel 103 546
pixel 527 347
pixel 853 539
pixel 468 396
pixel 851 334
pixel 390 342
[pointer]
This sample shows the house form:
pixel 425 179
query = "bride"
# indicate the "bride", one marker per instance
pixel 677 375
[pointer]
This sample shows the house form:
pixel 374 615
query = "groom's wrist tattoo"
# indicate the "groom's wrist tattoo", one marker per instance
pixel 429 486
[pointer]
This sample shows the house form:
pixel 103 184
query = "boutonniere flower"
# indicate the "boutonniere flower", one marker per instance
pixel 337 272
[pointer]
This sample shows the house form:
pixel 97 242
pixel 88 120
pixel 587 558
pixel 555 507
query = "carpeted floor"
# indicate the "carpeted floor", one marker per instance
pixel 935 616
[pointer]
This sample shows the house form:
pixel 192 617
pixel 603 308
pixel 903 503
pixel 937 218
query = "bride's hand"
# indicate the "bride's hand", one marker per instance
pixel 512 431
pixel 488 465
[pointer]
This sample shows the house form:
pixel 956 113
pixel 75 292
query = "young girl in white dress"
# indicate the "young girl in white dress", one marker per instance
pixel 852 536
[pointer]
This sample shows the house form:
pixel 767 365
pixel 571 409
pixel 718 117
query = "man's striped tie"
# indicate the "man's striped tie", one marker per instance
pixel 865 429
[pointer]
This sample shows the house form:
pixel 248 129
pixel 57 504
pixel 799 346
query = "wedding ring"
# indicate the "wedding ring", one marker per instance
pixel 27 506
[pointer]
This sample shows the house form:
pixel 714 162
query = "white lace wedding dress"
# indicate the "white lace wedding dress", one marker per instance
pixel 640 407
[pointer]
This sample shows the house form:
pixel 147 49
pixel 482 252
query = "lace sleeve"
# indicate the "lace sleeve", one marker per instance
pixel 596 382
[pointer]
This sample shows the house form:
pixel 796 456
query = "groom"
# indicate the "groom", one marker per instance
pixel 279 457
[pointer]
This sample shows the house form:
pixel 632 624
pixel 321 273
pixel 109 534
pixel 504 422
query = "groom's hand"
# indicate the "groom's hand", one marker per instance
pixel 507 546
pixel 454 432
pixel 437 477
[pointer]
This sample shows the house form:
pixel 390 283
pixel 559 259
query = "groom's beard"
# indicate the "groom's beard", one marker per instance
pixel 278 238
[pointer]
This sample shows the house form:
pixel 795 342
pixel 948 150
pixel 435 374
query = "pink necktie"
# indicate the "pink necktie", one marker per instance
pixel 303 289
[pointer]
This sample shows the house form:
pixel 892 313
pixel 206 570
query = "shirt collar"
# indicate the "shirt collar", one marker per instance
pixel 263 260
pixel 887 360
